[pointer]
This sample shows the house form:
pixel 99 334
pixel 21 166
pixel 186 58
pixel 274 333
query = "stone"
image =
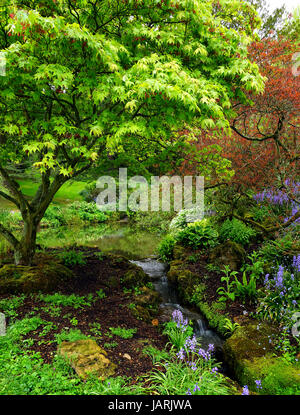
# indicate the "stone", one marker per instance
pixel 148 297
pixel 87 358
pixel 179 252
pixel 44 277
pixel 228 253
pixel 250 355
pixel 2 325
pixel 135 276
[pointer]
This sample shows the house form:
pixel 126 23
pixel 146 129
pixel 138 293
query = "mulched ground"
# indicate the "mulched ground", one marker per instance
pixel 111 311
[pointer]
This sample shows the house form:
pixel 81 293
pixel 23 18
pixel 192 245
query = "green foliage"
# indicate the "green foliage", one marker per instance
pixel 279 299
pixel 166 247
pixel 85 82
pixel 230 326
pixel 71 258
pixel 72 300
pixel 227 293
pixel 87 212
pixel 246 289
pixel 236 231
pixel 198 235
pixel 100 294
pixel 198 293
pixel 178 335
pixel 256 267
pixel 10 305
pixel 70 335
pixel 279 251
pixel 122 332
pixel 155 354
pixel 54 216
pixel 178 378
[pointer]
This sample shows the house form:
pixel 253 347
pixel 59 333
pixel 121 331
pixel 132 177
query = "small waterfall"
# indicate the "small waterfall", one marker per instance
pixel 157 271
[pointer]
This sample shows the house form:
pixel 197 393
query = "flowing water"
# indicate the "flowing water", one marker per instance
pixel 170 302
pixel 139 247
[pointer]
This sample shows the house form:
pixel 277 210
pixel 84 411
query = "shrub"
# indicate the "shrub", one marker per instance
pixel 70 258
pixel 198 235
pixel 166 247
pixel 236 231
pixel 87 212
pixel 54 217
pixel 280 251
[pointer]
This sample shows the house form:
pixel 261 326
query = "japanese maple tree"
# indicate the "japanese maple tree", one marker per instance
pixel 84 77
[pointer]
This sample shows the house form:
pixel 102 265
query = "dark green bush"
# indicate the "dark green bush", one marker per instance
pixel 198 235
pixel 236 231
pixel 166 247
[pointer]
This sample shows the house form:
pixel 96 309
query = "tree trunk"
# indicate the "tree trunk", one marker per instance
pixel 25 250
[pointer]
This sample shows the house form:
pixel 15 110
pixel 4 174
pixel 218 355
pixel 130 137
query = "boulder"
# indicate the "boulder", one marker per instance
pixel 228 253
pixel 148 297
pixel 87 358
pixel 135 276
pixel 45 277
pixel 250 354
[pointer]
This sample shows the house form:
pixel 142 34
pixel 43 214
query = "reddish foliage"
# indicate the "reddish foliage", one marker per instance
pixel 275 114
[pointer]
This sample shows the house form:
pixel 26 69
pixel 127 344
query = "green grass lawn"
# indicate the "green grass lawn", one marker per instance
pixel 69 192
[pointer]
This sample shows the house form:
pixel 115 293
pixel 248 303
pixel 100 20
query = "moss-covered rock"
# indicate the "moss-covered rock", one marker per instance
pixel 86 358
pixel 249 352
pixel 228 253
pixel 176 268
pixel 44 277
pixel 135 276
pixel 186 281
pixel 142 313
pixel 179 252
pixel 215 319
pixel 148 297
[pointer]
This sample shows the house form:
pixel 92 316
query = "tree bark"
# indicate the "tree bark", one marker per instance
pixel 24 252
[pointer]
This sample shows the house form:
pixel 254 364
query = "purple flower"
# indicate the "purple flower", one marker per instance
pixel 180 354
pixel 258 384
pixel 196 388
pixel 245 390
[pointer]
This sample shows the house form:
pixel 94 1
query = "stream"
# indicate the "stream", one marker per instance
pixel 157 271
pixel 139 247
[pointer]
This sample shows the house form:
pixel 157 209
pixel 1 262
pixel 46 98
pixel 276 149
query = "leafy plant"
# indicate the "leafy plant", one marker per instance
pixel 228 292
pixel 236 231
pixel 166 247
pixel 178 329
pixel 71 258
pixel 198 235
pixel 230 326
pixel 72 300
pixel 246 289
pixel 122 332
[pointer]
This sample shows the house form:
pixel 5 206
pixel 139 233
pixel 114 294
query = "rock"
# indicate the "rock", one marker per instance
pixel 179 252
pixel 148 297
pixel 44 277
pixel 229 253
pixel 250 354
pixel 135 276
pixel 186 281
pixel 86 357
pixel 142 313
